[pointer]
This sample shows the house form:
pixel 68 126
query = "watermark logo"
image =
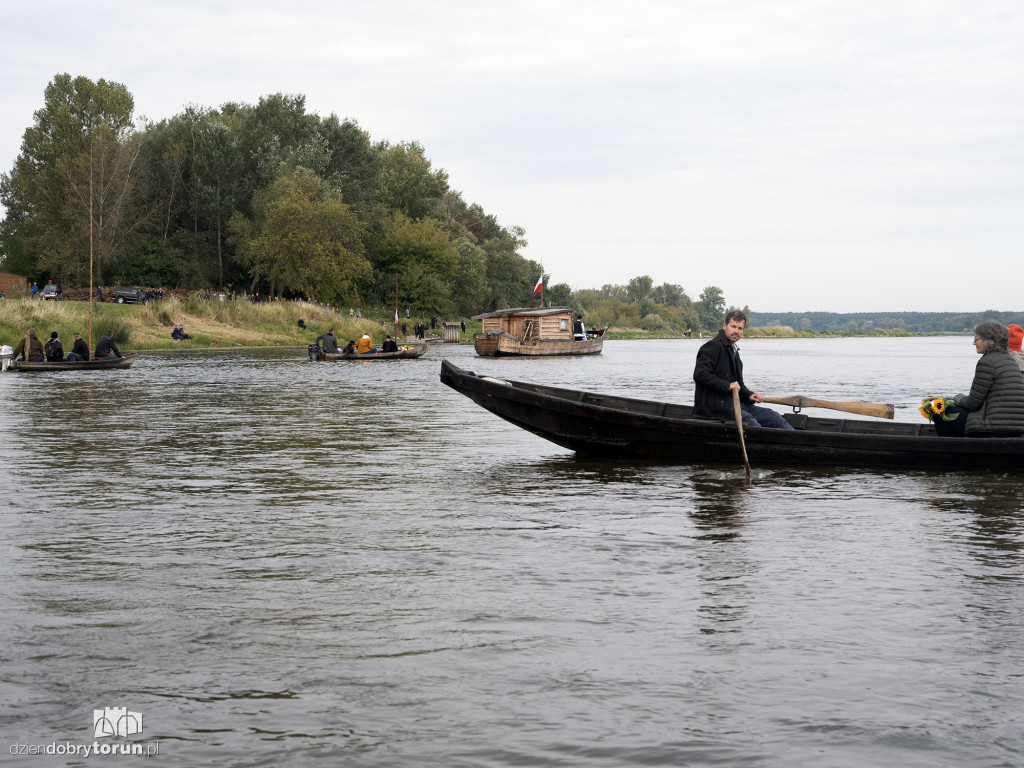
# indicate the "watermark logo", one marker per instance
pixel 115 721
pixel 106 722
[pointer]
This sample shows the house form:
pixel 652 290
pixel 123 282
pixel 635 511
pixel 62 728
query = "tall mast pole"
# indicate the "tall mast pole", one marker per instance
pixel 91 297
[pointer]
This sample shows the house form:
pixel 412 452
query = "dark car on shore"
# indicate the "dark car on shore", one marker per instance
pixel 126 295
pixel 51 291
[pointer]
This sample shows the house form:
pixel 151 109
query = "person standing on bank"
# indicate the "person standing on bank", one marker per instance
pixel 995 406
pixel 719 371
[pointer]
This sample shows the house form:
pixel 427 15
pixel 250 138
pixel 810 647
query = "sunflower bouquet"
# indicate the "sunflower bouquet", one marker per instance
pixel 939 406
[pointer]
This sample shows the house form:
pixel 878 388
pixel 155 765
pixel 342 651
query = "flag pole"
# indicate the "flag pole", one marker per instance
pixel 91 297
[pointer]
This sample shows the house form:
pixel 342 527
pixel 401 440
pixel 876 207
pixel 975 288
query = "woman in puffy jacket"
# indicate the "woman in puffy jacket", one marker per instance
pixel 995 405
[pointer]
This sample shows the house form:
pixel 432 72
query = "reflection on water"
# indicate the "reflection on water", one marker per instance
pixel 281 562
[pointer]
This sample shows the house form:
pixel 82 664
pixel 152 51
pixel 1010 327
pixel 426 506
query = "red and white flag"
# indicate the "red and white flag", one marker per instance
pixel 539 287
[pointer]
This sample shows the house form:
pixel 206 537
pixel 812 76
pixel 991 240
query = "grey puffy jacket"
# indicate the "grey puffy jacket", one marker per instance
pixel 996 402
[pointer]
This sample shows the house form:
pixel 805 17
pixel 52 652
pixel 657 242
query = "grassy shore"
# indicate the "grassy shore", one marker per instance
pixel 211 324
pixel 218 324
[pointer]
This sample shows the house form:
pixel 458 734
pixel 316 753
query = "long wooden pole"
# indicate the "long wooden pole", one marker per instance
pixel 878 410
pixel 91 297
pixel 738 412
pixel 396 306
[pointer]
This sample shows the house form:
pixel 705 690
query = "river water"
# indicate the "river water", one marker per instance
pixel 278 562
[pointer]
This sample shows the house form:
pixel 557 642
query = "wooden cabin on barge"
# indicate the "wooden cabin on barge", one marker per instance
pixel 533 331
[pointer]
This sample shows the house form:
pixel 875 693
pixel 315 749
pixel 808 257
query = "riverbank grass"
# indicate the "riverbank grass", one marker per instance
pixel 211 324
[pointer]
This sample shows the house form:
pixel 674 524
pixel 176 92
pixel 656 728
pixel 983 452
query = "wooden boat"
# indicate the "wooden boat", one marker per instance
pixel 608 426
pixel 403 353
pixel 532 332
pixel 103 364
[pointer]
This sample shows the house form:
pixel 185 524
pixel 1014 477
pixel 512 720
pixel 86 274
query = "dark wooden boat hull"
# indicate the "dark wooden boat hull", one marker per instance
pixel 606 426
pixel 403 354
pixel 103 364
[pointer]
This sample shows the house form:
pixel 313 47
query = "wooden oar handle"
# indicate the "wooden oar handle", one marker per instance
pixel 878 410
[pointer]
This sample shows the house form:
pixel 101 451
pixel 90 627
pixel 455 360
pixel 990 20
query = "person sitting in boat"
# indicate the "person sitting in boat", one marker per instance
pixel 578 331
pixel 79 351
pixel 54 350
pixel 327 342
pixel 365 344
pixel 30 348
pixel 302 324
pixel 389 345
pixel 719 371
pixel 995 405
pixel 350 349
pixel 1016 336
pixel 106 348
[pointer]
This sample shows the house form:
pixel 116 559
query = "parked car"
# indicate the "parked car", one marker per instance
pixel 127 295
pixel 51 291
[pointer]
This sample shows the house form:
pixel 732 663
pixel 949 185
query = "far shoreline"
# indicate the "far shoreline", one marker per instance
pixel 238 324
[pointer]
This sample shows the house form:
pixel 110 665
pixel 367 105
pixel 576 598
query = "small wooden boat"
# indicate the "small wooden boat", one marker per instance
pixel 608 426
pixel 403 353
pixel 533 332
pixel 102 364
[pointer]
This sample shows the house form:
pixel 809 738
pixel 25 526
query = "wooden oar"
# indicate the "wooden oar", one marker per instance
pixel 878 410
pixel 739 426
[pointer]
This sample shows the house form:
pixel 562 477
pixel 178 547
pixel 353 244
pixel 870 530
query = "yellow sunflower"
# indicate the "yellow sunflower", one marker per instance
pixel 938 405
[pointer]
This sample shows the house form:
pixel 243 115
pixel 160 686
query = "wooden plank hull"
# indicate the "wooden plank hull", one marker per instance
pixel 604 426
pixel 103 364
pixel 505 345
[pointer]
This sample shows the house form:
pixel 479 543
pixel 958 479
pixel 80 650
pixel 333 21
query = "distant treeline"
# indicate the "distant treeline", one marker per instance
pixel 855 322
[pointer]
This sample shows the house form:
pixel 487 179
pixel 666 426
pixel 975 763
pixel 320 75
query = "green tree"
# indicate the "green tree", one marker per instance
pixel 424 258
pixel 305 238
pixel 45 193
pixel 671 295
pixel 469 286
pixel 711 307
pixel 560 295
pixel 408 183
pixel 353 167
pixel 646 306
pixel 639 288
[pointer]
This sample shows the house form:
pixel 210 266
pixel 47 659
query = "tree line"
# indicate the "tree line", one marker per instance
pixel 265 198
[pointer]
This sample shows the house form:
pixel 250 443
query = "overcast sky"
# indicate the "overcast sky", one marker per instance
pixel 800 155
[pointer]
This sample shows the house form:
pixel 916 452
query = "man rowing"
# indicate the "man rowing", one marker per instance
pixel 719 371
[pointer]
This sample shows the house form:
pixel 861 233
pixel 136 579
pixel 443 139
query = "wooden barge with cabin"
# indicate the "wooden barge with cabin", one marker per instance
pixel 533 332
